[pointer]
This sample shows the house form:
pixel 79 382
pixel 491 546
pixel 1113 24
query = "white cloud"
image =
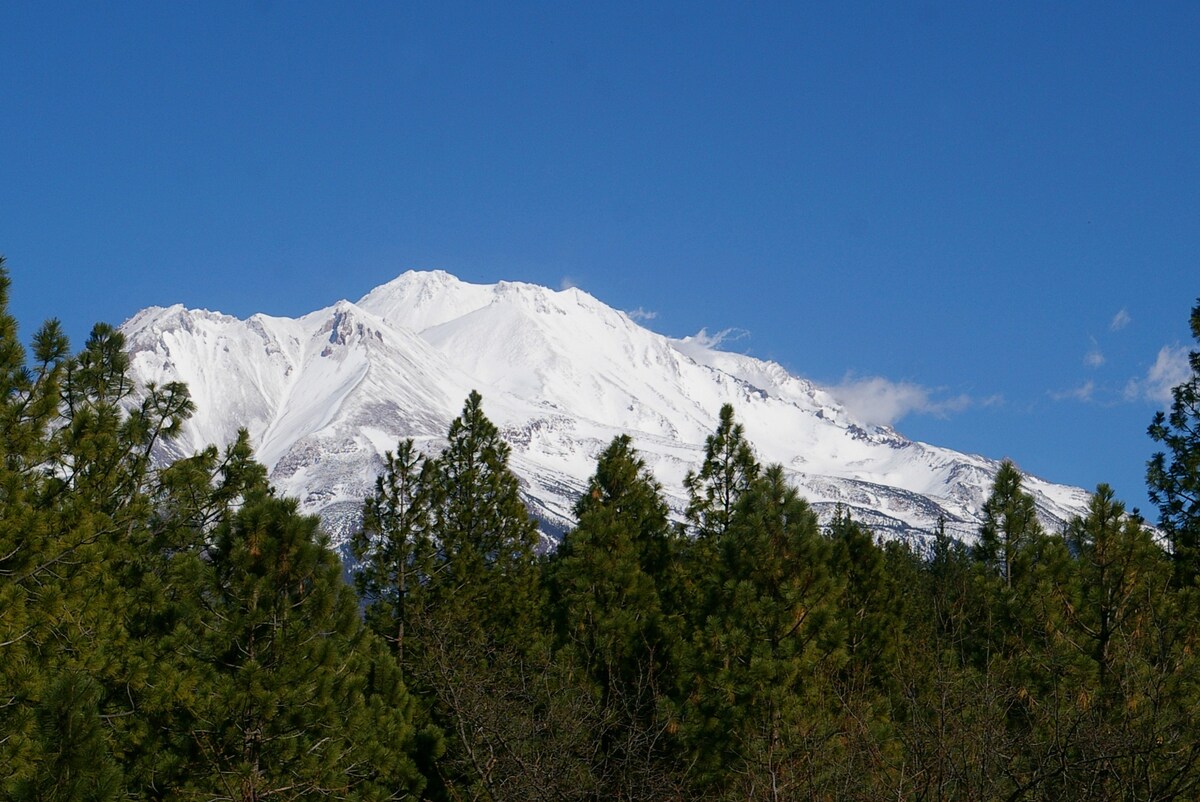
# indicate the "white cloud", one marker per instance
pixel 1120 320
pixel 641 314
pixel 879 401
pixel 567 283
pixel 1093 358
pixel 1084 392
pixel 1169 369
pixel 720 338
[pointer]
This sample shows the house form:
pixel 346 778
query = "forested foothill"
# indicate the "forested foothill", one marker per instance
pixel 181 632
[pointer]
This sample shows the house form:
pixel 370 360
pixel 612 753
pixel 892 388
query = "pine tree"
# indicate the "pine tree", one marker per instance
pixel 167 572
pixel 1009 525
pixel 875 587
pixel 727 472
pixel 28 411
pixel 869 610
pixel 195 494
pixel 605 579
pixel 80 447
pixel 101 500
pixel 1173 476
pixel 938 718
pixel 394 549
pixel 754 712
pixel 482 651
pixel 484 580
pixel 167 630
pixel 1020 669
pixel 296 703
pixel 1120 571
pixel 75 761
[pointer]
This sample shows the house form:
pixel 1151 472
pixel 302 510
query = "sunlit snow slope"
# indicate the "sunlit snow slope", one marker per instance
pixel 561 373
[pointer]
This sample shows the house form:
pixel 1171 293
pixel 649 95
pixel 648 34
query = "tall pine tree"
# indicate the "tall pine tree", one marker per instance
pixel 484 580
pixel 299 702
pixel 605 580
pixel 728 469
pixel 394 548
pixel 1173 475
pixel 1010 525
pixel 754 714
pixel 28 410
pixel 482 650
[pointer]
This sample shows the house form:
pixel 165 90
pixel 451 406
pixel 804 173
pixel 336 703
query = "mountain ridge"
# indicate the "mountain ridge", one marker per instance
pixel 561 373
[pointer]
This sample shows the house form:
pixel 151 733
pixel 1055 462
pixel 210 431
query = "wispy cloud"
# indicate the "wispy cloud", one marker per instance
pixel 719 338
pixel 880 401
pixel 641 314
pixel 1084 392
pixel 1120 320
pixel 1094 358
pixel 567 283
pixel 1171 367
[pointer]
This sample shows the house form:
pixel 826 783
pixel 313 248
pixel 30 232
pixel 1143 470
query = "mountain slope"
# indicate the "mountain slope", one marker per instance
pixel 325 394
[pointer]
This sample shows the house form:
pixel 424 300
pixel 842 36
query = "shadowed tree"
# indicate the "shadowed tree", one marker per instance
pixel 299 702
pixel 755 711
pixel 394 549
pixel 605 579
pixel 1173 475
pixel 728 469
pixel 1009 525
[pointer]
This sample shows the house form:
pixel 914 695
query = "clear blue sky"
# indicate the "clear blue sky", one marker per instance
pixel 981 220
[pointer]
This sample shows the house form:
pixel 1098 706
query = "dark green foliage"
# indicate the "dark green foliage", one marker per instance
pixel 611 623
pixel 1009 526
pixel 75 761
pixel 297 701
pixel 178 632
pixel 606 571
pixel 695 587
pixel 28 408
pixel 871 607
pixel 484 581
pixel 196 493
pixel 170 632
pixel 1121 570
pixel 1173 476
pixel 754 712
pixel 728 469
pixel 874 612
pixel 394 547
pixel 479 653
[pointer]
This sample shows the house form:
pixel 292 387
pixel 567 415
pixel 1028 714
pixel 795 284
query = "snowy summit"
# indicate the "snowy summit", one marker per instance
pixel 324 395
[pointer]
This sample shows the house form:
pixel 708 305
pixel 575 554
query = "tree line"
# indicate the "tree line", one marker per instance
pixel 181 632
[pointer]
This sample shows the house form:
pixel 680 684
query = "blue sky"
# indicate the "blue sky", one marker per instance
pixel 981 221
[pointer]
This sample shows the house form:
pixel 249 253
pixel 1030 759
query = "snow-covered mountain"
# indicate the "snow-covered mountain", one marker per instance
pixel 561 374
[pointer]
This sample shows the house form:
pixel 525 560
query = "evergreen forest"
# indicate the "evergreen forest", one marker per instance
pixel 182 632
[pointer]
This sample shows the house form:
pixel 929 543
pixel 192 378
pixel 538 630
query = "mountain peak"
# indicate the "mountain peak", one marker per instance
pixel 419 299
pixel 561 373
